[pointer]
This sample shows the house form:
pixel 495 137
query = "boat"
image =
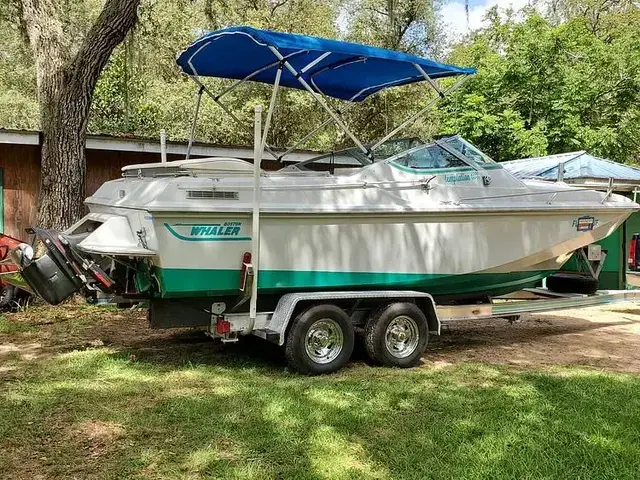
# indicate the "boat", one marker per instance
pixel 436 216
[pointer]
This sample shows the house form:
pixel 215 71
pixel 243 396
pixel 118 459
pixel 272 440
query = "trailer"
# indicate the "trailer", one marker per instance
pixel 318 329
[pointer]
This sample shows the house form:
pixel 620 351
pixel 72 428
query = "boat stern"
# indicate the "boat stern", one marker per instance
pixel 99 253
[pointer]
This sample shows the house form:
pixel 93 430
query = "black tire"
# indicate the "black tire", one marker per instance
pixel 296 343
pixel 569 282
pixel 375 331
pixel 7 293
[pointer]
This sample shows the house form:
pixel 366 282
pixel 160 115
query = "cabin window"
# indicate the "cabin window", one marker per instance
pixel 468 150
pixel 430 156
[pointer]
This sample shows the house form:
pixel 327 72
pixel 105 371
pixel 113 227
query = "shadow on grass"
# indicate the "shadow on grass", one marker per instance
pixel 217 417
pixel 194 346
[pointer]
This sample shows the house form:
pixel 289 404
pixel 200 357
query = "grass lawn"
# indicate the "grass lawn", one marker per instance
pixel 185 408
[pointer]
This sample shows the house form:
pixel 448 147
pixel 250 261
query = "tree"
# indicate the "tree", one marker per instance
pixel 548 87
pixel 67 69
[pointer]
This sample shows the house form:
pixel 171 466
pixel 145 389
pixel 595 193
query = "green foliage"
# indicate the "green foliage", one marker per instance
pixel 119 103
pixel 18 98
pixel 501 134
pixel 564 87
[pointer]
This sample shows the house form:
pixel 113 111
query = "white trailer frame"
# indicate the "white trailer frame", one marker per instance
pixel 272 326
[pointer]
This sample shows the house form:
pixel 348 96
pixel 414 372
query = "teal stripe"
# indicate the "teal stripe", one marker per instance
pixel 203 239
pixel 436 171
pixel 176 282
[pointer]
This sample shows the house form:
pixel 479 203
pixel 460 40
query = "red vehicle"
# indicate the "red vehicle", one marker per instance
pixel 634 253
pixel 9 294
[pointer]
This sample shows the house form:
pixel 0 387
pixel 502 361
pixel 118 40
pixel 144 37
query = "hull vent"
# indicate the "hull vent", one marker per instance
pixel 212 195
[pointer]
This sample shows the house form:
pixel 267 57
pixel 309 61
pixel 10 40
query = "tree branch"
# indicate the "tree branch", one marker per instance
pixel 46 36
pixel 114 22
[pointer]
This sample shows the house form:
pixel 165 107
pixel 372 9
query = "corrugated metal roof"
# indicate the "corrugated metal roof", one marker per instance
pixel 576 165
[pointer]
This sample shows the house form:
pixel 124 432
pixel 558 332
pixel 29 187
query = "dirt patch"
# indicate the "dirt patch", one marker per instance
pixel 97 437
pixel 602 337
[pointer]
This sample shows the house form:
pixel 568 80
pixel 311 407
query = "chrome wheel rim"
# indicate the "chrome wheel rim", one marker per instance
pixel 402 336
pixel 324 341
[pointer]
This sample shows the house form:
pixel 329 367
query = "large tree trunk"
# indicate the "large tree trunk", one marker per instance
pixel 63 160
pixel 65 88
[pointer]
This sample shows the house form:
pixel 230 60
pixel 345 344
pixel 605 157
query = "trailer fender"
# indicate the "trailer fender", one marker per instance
pixel 277 327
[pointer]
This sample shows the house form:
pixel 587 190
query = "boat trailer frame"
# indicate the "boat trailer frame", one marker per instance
pixel 273 325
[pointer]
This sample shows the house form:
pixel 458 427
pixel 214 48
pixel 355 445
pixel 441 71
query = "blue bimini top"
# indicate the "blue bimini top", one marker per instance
pixel 343 70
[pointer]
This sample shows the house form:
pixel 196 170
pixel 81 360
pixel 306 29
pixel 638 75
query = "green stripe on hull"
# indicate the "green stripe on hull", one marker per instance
pixel 176 282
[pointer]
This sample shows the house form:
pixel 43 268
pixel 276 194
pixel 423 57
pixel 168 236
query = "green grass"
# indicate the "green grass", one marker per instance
pixel 190 411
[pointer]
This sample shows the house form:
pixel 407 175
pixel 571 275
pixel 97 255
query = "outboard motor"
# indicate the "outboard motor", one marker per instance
pixel 53 267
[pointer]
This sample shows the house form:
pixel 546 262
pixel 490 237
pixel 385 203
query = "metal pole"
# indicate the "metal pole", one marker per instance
pixel 433 84
pixel 319 99
pixel 412 118
pixel 305 138
pixel 195 121
pixel 229 112
pixel 272 104
pixel 255 229
pixel 313 132
pixel 163 146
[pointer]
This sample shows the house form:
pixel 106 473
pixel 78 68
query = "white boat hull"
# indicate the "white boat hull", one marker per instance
pixel 443 254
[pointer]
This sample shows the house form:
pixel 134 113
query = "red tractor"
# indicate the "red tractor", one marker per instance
pixel 10 295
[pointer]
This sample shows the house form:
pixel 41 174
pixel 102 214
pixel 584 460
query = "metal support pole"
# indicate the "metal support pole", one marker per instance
pixel 195 121
pixel 255 229
pixel 412 118
pixel 163 146
pixel 560 172
pixel 272 105
pixel 319 99
pixel 305 138
pixel 229 112
pixel 310 134
pixel 431 81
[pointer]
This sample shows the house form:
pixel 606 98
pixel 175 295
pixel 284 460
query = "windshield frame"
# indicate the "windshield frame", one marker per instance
pixel 363 160
pixel 442 144
pixel 357 155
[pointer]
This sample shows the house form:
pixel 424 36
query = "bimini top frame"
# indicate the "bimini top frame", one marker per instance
pixel 323 67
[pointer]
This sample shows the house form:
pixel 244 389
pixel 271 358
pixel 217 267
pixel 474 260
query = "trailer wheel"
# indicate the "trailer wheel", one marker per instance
pixel 320 340
pixel 396 335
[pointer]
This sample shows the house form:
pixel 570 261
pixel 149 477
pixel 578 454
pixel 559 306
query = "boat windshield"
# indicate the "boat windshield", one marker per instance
pixel 445 152
pixel 354 157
